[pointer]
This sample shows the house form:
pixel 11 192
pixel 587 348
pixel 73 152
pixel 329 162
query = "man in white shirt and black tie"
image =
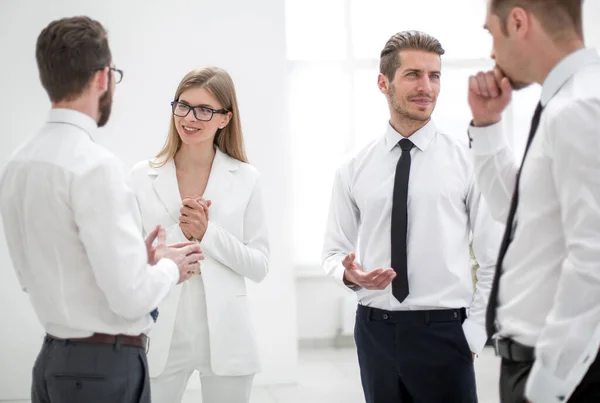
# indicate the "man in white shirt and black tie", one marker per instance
pixel 544 309
pixel 74 233
pixel 402 211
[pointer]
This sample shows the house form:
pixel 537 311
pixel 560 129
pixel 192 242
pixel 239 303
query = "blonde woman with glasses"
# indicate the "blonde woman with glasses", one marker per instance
pixel 200 187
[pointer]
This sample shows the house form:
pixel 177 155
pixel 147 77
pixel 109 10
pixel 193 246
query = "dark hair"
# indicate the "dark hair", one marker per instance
pixel 556 16
pixel 414 40
pixel 68 52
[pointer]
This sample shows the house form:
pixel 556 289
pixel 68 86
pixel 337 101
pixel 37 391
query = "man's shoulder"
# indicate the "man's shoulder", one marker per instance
pixel 98 158
pixel 451 152
pixel 73 150
pixel 587 81
pixel 455 146
pixel 91 161
pixel 61 150
pixel 453 140
pixel 583 87
pixel 575 103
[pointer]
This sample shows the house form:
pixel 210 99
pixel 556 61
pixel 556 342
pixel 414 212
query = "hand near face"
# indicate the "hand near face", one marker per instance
pixel 489 94
pixel 194 217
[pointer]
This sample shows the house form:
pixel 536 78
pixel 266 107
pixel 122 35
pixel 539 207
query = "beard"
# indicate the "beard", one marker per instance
pixel 518 85
pixel 403 111
pixel 104 107
pixel 515 84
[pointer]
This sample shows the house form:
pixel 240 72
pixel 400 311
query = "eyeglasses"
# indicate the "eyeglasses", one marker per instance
pixel 116 72
pixel 203 113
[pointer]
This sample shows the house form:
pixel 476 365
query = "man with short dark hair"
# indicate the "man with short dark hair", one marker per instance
pixel 408 203
pixel 74 233
pixel 544 309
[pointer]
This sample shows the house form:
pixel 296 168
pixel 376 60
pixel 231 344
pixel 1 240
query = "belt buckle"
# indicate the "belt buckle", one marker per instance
pixel 496 346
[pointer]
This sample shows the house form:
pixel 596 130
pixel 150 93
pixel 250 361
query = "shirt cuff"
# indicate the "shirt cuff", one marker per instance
pixel 170 269
pixel 338 276
pixel 487 140
pixel 209 236
pixel 475 334
pixel 543 387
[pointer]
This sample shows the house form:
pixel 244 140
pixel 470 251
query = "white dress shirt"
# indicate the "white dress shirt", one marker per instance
pixel 444 206
pixel 74 233
pixel 549 294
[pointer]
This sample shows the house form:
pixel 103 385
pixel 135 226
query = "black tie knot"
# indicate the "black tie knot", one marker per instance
pixel 406 144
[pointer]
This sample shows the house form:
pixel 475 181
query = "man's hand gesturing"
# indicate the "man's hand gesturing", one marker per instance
pixel 354 274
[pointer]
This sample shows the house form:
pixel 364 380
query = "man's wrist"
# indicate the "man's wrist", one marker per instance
pixel 349 283
pixel 352 286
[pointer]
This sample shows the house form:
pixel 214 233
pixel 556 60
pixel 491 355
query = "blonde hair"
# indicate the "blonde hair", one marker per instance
pixel 229 139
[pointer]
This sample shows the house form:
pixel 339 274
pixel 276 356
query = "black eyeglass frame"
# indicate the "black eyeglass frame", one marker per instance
pixel 119 73
pixel 174 105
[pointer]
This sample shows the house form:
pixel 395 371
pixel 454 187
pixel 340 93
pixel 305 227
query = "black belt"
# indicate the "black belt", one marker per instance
pixel 424 316
pixel 101 338
pixel 513 351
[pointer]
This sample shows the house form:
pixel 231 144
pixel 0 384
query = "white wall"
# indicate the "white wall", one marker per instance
pixel 156 43
pixel 591 29
pixel 319 310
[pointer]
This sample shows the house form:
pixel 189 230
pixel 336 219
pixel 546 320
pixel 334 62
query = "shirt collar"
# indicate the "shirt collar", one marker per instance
pixel 73 118
pixel 421 138
pixel 565 69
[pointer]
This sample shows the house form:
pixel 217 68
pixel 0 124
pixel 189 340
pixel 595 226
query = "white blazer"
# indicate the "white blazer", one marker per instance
pixel 235 247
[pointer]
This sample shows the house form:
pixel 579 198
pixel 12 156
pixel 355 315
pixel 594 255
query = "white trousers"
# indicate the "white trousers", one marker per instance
pixel 190 351
pixel 170 386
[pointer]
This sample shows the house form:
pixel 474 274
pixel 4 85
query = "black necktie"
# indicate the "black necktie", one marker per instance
pixel 490 317
pixel 400 222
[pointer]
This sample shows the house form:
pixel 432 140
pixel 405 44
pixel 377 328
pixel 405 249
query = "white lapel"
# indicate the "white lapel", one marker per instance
pixel 217 188
pixel 167 189
pixel 220 177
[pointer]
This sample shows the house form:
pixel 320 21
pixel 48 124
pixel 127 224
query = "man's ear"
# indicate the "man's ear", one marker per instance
pixel 518 22
pixel 100 80
pixel 383 83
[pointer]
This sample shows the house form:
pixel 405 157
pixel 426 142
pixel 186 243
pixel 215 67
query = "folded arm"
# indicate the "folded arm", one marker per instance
pixel 495 168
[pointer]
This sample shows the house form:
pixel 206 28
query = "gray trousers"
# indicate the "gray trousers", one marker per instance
pixel 80 372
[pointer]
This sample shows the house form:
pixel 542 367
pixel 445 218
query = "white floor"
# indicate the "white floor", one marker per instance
pixel 331 376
